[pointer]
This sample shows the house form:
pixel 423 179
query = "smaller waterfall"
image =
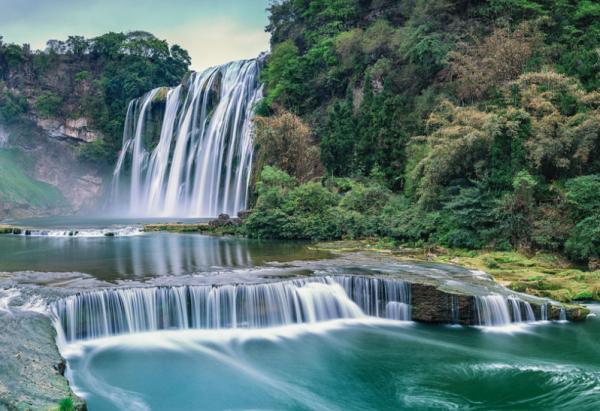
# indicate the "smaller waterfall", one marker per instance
pixel 82 233
pixel 120 311
pixel 562 315
pixel 516 309
pixel 529 315
pixel 454 309
pixel 495 310
pixel 492 310
pixel 544 312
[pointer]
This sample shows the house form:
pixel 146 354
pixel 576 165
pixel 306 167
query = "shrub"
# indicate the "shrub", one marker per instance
pixel 583 195
pixel 584 242
pixel 285 141
pixel 48 104
pixel 12 106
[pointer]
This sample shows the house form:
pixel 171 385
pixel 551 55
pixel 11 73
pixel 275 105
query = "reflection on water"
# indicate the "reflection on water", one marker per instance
pixel 152 254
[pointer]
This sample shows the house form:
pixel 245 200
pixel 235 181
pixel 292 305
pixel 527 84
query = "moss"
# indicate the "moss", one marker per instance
pixel 201 228
pixel 543 275
pixel 16 186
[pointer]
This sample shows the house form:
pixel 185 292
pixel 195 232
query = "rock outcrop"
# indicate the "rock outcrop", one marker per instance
pixel 77 129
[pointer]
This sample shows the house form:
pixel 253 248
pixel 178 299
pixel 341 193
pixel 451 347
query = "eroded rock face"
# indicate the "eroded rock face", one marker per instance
pixel 433 305
pixel 81 185
pixel 77 129
pixel 31 370
pixel 53 161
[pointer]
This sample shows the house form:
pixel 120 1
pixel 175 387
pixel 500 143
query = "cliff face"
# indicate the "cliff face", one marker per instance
pixel 41 173
pixel 62 112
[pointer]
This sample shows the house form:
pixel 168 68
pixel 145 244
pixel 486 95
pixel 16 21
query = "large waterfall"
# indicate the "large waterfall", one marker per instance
pixel 196 160
pixel 119 311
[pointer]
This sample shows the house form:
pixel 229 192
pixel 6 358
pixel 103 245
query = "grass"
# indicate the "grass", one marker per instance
pixel 203 228
pixel 17 187
pixel 541 274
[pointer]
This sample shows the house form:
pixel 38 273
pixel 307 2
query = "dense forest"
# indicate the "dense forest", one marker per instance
pixel 93 78
pixel 468 124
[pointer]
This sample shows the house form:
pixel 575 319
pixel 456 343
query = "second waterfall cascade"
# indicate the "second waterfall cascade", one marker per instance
pixel 200 165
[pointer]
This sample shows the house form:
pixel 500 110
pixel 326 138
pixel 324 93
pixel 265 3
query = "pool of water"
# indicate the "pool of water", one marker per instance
pixel 146 255
pixel 364 365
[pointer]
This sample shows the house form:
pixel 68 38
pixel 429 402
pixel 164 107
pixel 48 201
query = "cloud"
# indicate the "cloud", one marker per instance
pixel 213 32
pixel 218 42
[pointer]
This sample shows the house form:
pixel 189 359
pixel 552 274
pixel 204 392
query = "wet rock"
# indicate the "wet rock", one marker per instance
pixel 221 221
pixel 431 305
pixel 31 369
pixel 244 214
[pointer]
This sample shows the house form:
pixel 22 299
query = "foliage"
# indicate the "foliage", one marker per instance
pixel 287 209
pixel 285 141
pixel 95 78
pixel 467 125
pixel 583 195
pixel 18 187
pixel 12 106
pixel 48 104
pixel 66 404
pixel 584 242
pixel 484 64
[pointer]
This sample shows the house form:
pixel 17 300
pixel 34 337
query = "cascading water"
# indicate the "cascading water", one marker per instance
pixel 112 312
pixel 492 310
pixel 201 164
pixel 498 310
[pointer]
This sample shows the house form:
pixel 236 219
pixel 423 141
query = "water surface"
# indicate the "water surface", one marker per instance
pixel 345 366
pixel 134 255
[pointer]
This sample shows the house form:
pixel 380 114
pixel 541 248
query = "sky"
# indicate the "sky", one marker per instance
pixel 212 31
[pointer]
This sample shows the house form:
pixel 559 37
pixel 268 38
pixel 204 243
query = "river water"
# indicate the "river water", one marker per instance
pixel 355 363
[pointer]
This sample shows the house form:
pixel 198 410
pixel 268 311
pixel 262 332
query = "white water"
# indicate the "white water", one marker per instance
pixel 84 232
pixel 201 165
pixel 122 311
pixel 498 310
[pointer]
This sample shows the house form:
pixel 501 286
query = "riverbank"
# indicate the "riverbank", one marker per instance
pixel 541 274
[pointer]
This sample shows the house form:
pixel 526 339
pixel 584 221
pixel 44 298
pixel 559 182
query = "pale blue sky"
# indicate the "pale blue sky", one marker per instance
pixel 213 31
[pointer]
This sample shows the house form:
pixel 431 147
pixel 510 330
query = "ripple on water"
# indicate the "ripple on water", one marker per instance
pixel 523 385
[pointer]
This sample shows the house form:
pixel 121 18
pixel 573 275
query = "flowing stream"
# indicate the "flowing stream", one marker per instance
pixel 161 321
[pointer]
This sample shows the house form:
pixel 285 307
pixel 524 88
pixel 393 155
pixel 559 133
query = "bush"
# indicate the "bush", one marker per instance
pixel 12 107
pixel 48 104
pixel 583 195
pixel 584 242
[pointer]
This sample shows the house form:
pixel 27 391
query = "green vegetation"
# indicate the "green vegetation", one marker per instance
pixel 466 125
pixel 541 274
pixel 94 78
pixel 12 106
pixel 19 188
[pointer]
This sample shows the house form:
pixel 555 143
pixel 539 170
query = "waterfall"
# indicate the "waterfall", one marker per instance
pixel 529 315
pixel 492 310
pixel 454 309
pixel 544 312
pixel 200 164
pixel 516 309
pixel 562 315
pixel 119 311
